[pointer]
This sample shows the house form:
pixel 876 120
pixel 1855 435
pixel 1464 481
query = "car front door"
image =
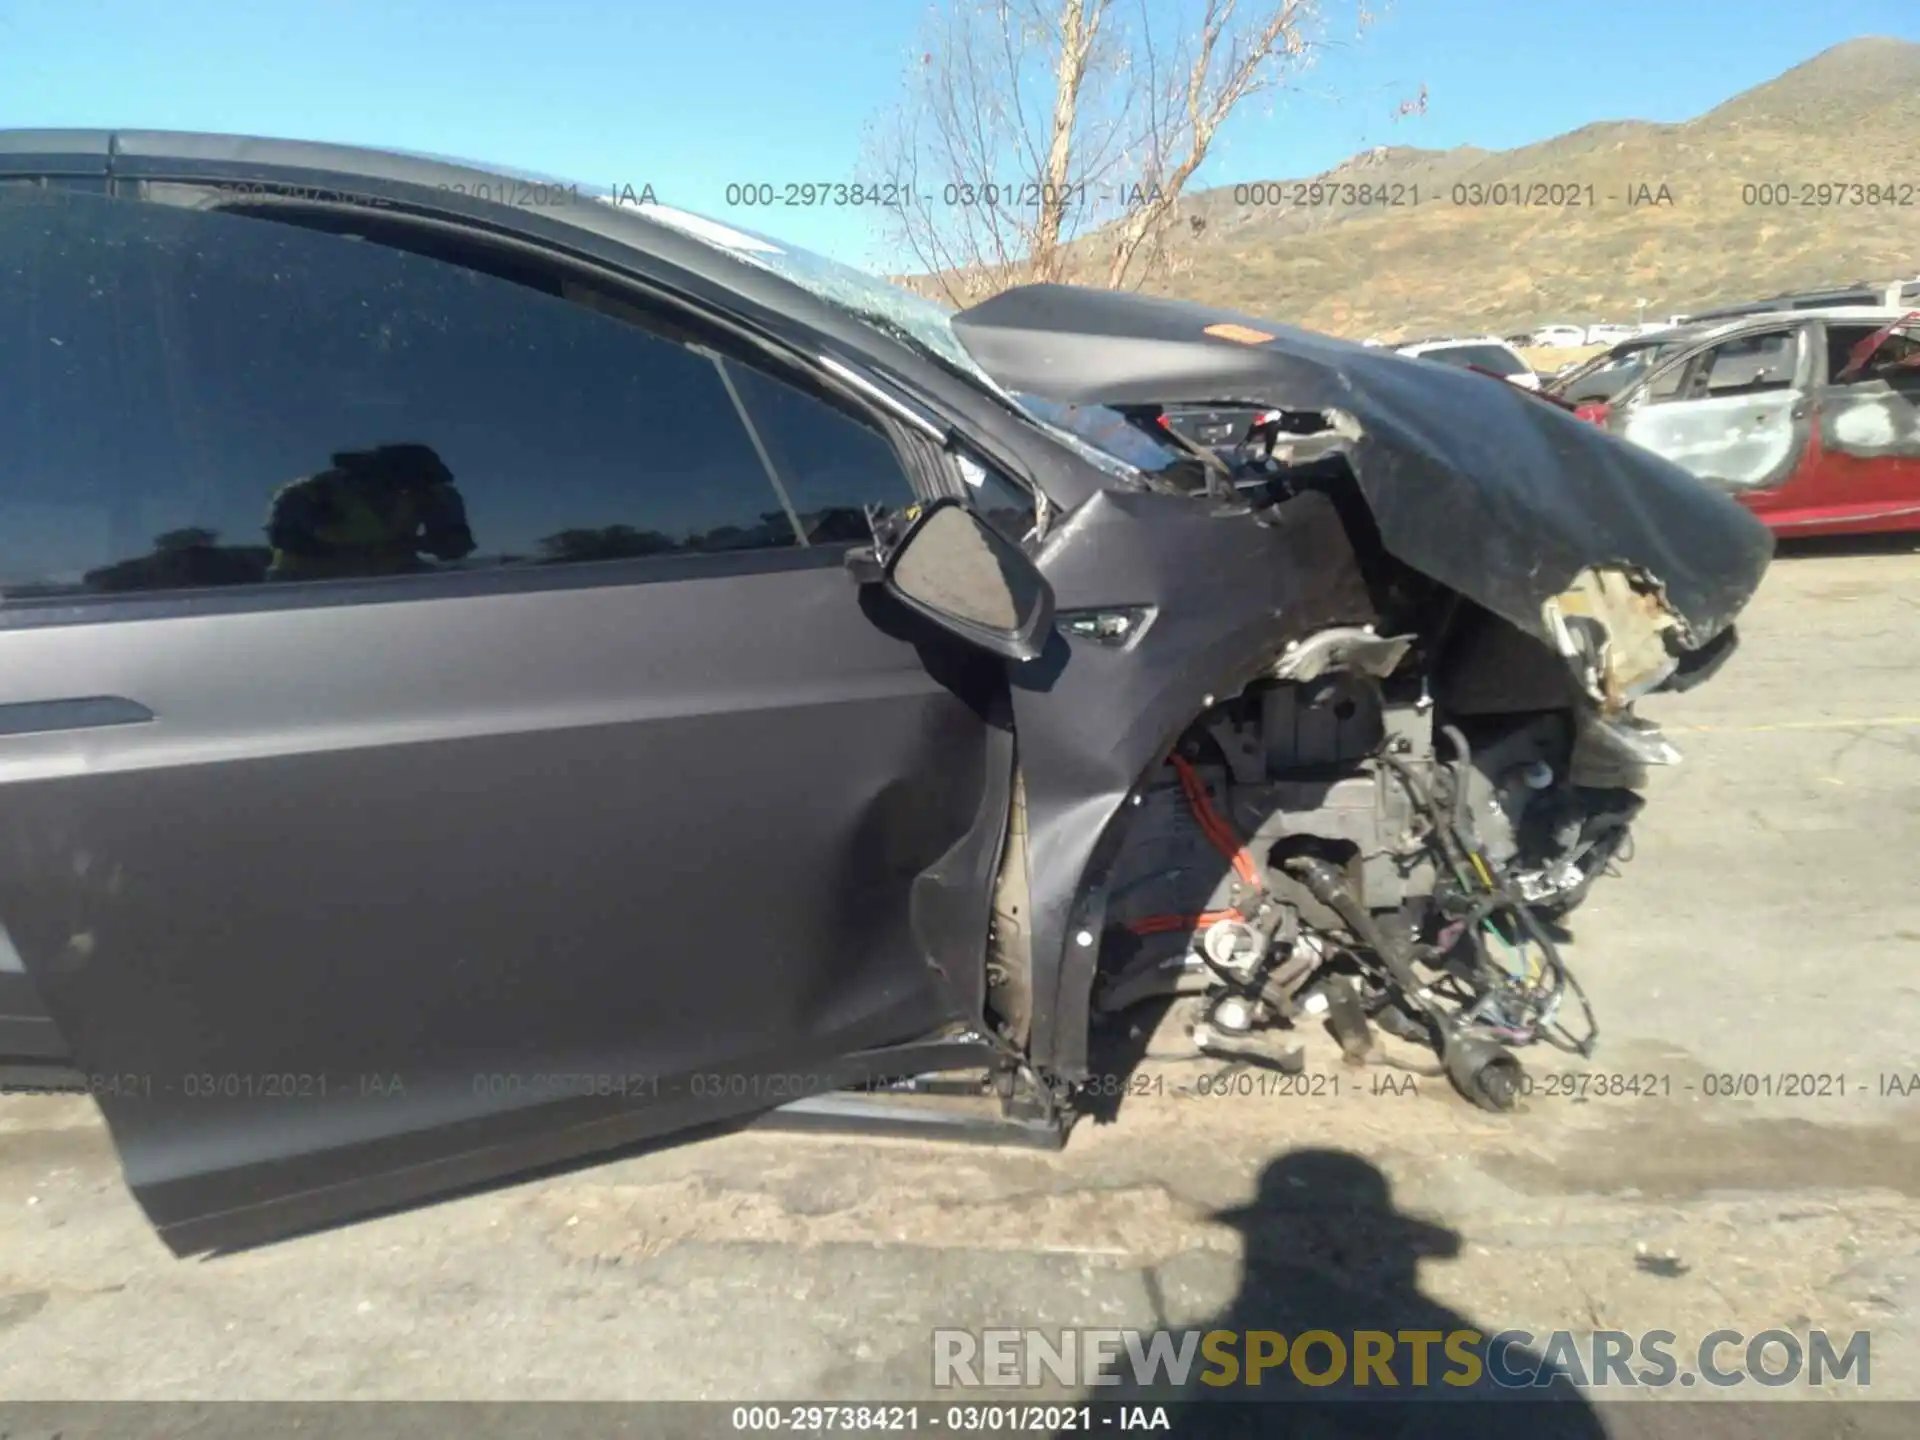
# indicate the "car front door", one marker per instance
pixel 437 734
pixel 1735 412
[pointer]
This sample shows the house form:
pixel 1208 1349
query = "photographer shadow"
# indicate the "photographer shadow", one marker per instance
pixel 1327 1250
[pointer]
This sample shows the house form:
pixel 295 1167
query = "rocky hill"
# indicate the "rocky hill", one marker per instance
pixel 1810 179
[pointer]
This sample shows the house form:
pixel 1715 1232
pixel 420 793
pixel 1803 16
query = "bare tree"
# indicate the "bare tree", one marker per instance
pixel 1054 139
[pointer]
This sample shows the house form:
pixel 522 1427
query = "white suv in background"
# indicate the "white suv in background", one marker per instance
pixel 1561 337
pixel 1610 334
pixel 1476 352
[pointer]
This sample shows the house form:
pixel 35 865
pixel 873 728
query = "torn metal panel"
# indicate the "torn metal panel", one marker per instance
pixel 1738 442
pixel 1477 485
pixel 1613 625
pixel 1877 418
pixel 1355 649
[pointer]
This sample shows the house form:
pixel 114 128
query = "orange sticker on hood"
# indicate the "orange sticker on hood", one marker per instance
pixel 1241 334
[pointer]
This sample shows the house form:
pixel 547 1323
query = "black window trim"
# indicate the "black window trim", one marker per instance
pixel 791 364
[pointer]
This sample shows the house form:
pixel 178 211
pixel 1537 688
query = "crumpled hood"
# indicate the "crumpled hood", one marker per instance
pixel 1493 492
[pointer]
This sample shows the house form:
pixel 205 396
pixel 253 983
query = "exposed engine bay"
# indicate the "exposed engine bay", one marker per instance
pixel 1331 851
pixel 1384 829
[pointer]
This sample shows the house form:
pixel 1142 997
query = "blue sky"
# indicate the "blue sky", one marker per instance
pixel 688 95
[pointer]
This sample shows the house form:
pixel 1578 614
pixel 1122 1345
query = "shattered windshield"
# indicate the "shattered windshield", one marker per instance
pixel 892 307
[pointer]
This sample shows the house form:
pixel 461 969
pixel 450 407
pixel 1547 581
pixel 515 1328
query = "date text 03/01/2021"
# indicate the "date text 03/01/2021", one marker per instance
pixel 1040 1419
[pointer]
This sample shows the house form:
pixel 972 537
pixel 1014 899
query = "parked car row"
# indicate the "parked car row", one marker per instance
pixel 1805 407
pixel 1895 294
pixel 1579 337
pixel 1811 418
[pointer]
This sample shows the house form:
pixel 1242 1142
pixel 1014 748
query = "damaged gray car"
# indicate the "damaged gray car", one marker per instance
pixel 496 673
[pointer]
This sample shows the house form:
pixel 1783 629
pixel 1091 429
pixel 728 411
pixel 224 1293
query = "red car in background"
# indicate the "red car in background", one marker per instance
pixel 1810 418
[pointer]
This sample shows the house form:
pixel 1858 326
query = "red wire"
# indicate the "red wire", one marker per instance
pixel 1217 830
pixel 1220 833
pixel 1166 924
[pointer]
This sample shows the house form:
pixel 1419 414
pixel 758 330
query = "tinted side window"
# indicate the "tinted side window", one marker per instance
pixel 200 399
pixel 831 466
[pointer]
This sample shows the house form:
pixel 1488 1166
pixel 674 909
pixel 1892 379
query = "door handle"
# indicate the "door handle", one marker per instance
pixel 81 712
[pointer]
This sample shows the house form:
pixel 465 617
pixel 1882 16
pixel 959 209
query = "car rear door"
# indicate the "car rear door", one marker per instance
pixel 1863 471
pixel 370 829
pixel 1736 412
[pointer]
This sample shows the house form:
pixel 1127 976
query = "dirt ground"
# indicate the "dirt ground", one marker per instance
pixel 1547 359
pixel 1768 926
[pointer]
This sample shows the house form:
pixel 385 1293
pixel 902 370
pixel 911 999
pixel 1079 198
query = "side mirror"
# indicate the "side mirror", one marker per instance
pixel 957 571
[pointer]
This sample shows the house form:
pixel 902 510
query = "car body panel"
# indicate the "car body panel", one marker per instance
pixel 345 894
pixel 1857 294
pixel 1463 478
pixel 1459 474
pixel 352 898
pixel 1228 592
pixel 1830 455
pixel 1747 441
pixel 349 922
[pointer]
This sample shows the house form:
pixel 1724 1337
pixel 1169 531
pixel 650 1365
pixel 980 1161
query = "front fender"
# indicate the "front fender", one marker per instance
pixel 1227 590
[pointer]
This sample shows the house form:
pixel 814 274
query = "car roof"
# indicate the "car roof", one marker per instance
pixel 1875 315
pixel 1825 297
pixel 1667 334
pixel 603 230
